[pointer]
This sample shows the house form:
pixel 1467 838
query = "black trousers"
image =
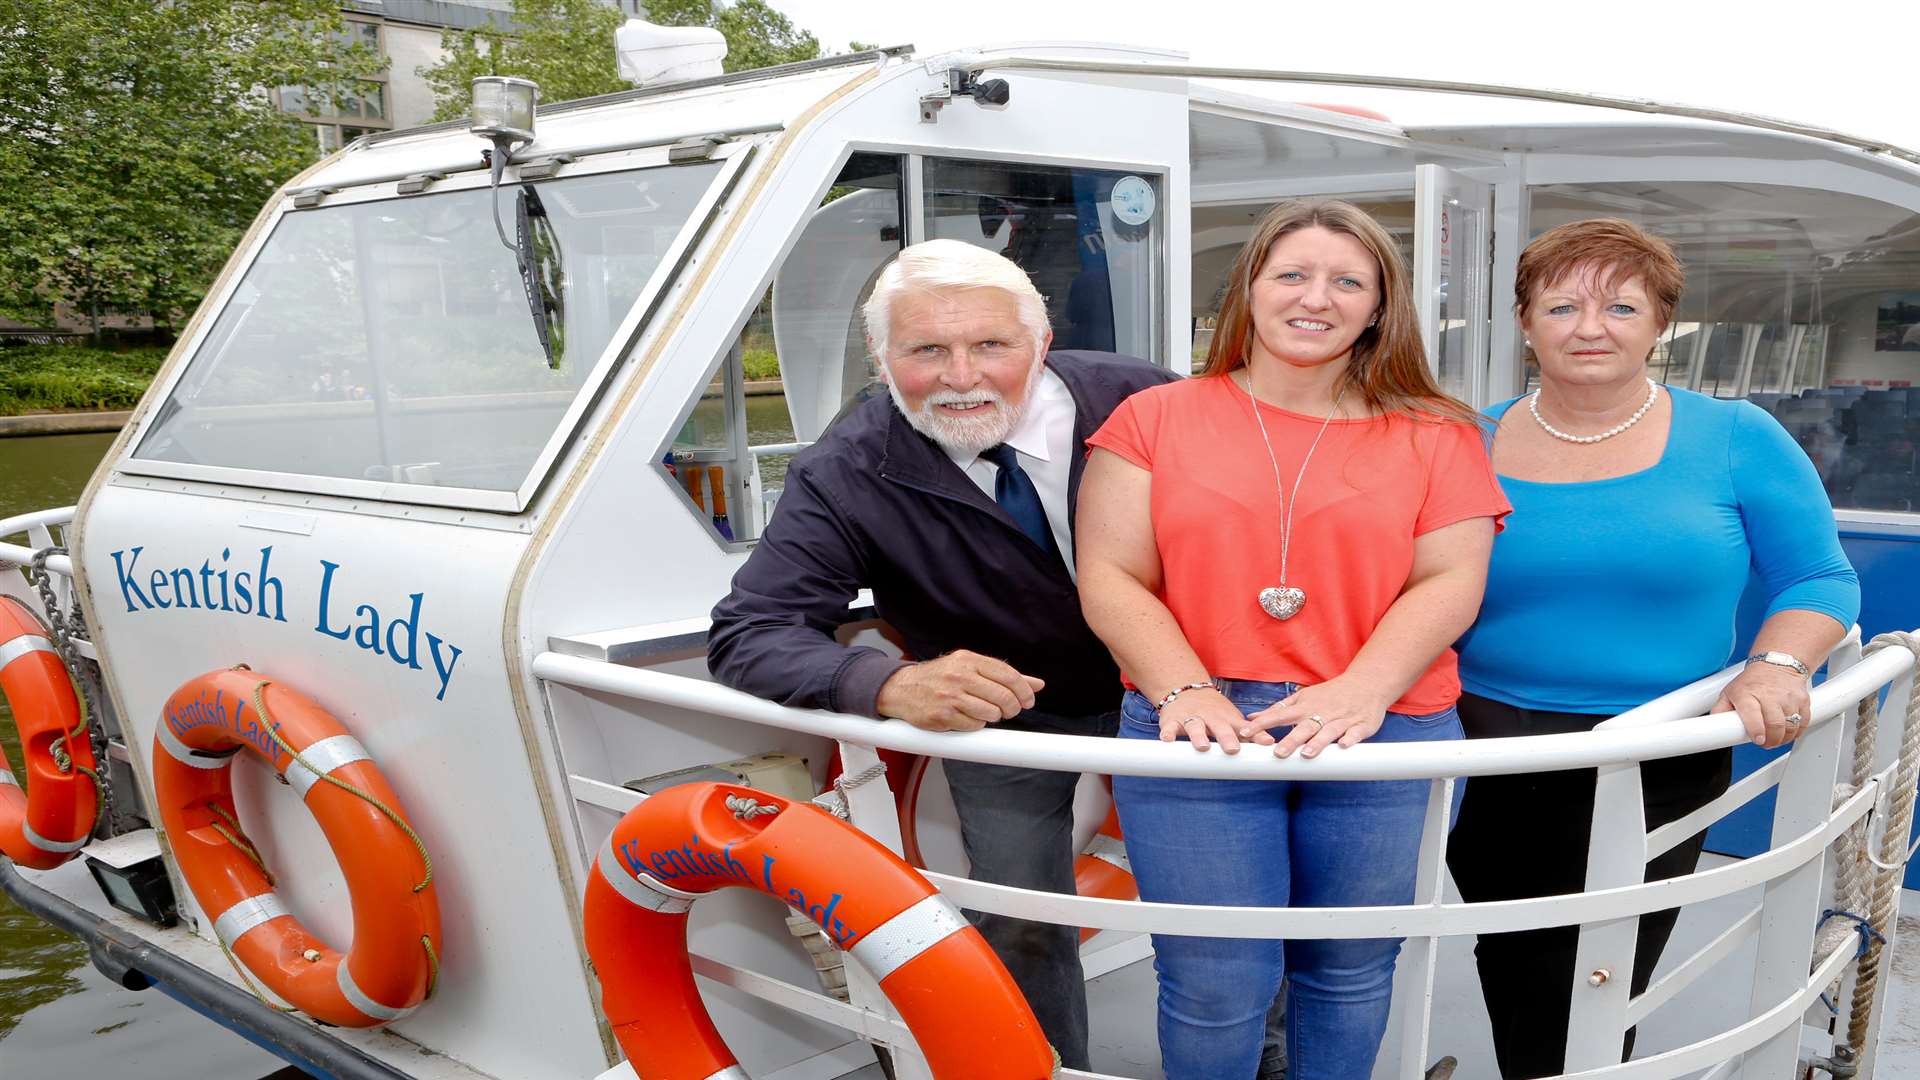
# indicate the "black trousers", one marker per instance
pixel 1527 835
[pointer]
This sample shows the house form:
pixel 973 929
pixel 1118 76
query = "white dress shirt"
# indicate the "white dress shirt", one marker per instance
pixel 1043 441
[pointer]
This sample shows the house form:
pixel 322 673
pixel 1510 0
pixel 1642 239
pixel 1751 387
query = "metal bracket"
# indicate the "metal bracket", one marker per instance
pixel 310 198
pixel 541 168
pixel 419 182
pixel 698 148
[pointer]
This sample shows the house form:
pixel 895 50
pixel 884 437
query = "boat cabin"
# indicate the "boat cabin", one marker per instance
pixel 469 462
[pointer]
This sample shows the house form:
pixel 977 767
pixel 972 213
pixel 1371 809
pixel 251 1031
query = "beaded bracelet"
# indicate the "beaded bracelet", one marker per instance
pixel 1178 690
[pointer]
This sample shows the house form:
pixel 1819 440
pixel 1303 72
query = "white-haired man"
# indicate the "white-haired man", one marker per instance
pixel 952 499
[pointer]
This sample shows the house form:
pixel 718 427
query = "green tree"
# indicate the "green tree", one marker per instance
pixel 567 46
pixel 137 141
pixel 564 45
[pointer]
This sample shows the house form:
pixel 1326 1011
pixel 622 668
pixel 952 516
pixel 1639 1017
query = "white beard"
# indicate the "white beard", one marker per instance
pixel 967 434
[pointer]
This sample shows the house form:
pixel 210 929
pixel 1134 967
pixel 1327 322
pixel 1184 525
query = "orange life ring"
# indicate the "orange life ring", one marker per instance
pixel 1100 870
pixel 687 841
pixel 53 818
pixel 393 961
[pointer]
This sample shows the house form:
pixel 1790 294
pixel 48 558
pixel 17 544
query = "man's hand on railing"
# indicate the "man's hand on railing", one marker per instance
pixel 961 691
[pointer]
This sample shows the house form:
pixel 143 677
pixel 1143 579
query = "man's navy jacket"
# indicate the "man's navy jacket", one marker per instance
pixel 877 505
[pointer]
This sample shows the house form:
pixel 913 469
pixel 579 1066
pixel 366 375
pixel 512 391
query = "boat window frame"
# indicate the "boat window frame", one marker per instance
pixel 733 158
pixel 1160 330
pixel 1559 170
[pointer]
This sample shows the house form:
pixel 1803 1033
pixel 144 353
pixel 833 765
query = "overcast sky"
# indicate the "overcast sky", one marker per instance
pixel 1851 65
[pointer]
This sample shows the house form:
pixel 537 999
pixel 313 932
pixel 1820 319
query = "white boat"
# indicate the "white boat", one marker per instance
pixel 363 475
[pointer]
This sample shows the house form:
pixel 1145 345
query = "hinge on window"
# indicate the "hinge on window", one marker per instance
pixel 698 148
pixel 419 182
pixel 305 200
pixel 541 168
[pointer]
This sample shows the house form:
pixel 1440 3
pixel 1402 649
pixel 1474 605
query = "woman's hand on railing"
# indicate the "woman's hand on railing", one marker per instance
pixel 1340 710
pixel 1205 717
pixel 1766 696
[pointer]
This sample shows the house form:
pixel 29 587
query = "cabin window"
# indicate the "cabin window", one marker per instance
pixel 1090 253
pixel 800 359
pixel 1220 230
pixel 393 341
pixel 1805 302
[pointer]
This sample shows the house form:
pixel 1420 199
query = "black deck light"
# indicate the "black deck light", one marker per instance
pixel 502 112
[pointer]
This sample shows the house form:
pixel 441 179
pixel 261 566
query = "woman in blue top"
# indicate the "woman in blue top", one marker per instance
pixel 1639 512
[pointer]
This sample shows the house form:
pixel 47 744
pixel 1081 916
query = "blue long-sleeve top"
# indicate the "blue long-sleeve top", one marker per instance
pixel 1604 594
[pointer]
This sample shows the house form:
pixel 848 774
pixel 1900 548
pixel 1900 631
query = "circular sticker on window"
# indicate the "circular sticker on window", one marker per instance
pixel 1132 200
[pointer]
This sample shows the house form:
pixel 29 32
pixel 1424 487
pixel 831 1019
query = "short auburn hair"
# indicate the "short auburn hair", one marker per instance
pixel 1614 249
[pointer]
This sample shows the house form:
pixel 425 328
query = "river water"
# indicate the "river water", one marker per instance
pixel 58 1016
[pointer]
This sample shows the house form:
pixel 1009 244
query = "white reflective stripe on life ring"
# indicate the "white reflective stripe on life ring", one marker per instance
pixel 325 756
pixel 893 943
pixel 359 1000
pixel 187 755
pixel 24 645
pixel 642 891
pixel 54 847
pixel 731 1072
pixel 234 923
pixel 1109 850
pixel 7 778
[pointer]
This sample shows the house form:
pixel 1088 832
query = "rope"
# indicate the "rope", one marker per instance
pixel 834 800
pixel 1885 888
pixel 238 838
pixel 273 731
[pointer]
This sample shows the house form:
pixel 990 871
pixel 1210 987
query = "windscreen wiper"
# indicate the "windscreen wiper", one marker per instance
pixel 536 251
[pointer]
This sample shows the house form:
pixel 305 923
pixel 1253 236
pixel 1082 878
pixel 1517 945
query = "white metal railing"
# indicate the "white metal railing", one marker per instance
pixel 1792 875
pixel 39 527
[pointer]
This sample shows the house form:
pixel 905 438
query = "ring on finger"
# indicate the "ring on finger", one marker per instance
pixel 1794 719
pixel 1317 724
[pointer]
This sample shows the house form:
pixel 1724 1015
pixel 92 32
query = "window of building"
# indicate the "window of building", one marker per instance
pixel 1805 302
pixel 799 360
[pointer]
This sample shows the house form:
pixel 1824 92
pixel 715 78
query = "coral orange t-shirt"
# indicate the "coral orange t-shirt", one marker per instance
pixel 1372 486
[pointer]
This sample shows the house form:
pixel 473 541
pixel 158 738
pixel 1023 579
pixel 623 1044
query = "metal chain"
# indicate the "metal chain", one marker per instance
pixel 65 628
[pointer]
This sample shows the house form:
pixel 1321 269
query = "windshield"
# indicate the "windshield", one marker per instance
pixel 393 341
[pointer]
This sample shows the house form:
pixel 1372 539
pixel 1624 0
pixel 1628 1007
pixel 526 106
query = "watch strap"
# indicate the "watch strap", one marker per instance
pixel 1780 659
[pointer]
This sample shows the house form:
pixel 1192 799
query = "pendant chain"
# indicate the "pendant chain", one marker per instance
pixel 1288 498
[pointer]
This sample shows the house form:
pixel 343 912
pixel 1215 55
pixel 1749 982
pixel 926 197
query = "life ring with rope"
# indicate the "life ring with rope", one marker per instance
pixel 688 841
pixel 53 818
pixel 393 963
pixel 1101 870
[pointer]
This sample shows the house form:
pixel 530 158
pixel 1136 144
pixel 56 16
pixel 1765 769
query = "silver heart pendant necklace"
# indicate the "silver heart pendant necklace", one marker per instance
pixel 1284 601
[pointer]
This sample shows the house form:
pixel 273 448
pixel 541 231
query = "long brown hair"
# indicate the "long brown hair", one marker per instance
pixel 1388 364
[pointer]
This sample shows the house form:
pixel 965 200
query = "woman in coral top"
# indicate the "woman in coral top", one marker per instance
pixel 1287 543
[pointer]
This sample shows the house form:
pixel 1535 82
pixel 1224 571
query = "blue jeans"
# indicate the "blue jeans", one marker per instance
pixel 1283 843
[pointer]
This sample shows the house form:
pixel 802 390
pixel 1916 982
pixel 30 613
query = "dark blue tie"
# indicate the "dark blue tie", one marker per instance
pixel 1013 489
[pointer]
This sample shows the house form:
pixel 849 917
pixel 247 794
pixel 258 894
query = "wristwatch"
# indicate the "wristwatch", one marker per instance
pixel 1781 659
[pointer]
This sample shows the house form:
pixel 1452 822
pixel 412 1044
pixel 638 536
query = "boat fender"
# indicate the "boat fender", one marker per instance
pixel 394 960
pixel 685 842
pixel 49 821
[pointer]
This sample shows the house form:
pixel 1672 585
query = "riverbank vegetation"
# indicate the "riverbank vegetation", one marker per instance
pixel 39 378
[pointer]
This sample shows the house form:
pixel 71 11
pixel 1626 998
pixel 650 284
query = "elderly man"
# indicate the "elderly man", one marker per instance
pixel 952 499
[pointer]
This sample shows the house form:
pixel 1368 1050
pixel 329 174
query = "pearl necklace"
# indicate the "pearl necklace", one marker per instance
pixel 1533 406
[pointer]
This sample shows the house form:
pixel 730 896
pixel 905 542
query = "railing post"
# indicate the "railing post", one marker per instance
pixel 1413 985
pixel 871 809
pixel 1603 962
pixel 1790 903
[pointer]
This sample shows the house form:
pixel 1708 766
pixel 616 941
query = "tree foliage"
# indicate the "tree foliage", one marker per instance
pixel 567 46
pixel 137 141
pixel 564 45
